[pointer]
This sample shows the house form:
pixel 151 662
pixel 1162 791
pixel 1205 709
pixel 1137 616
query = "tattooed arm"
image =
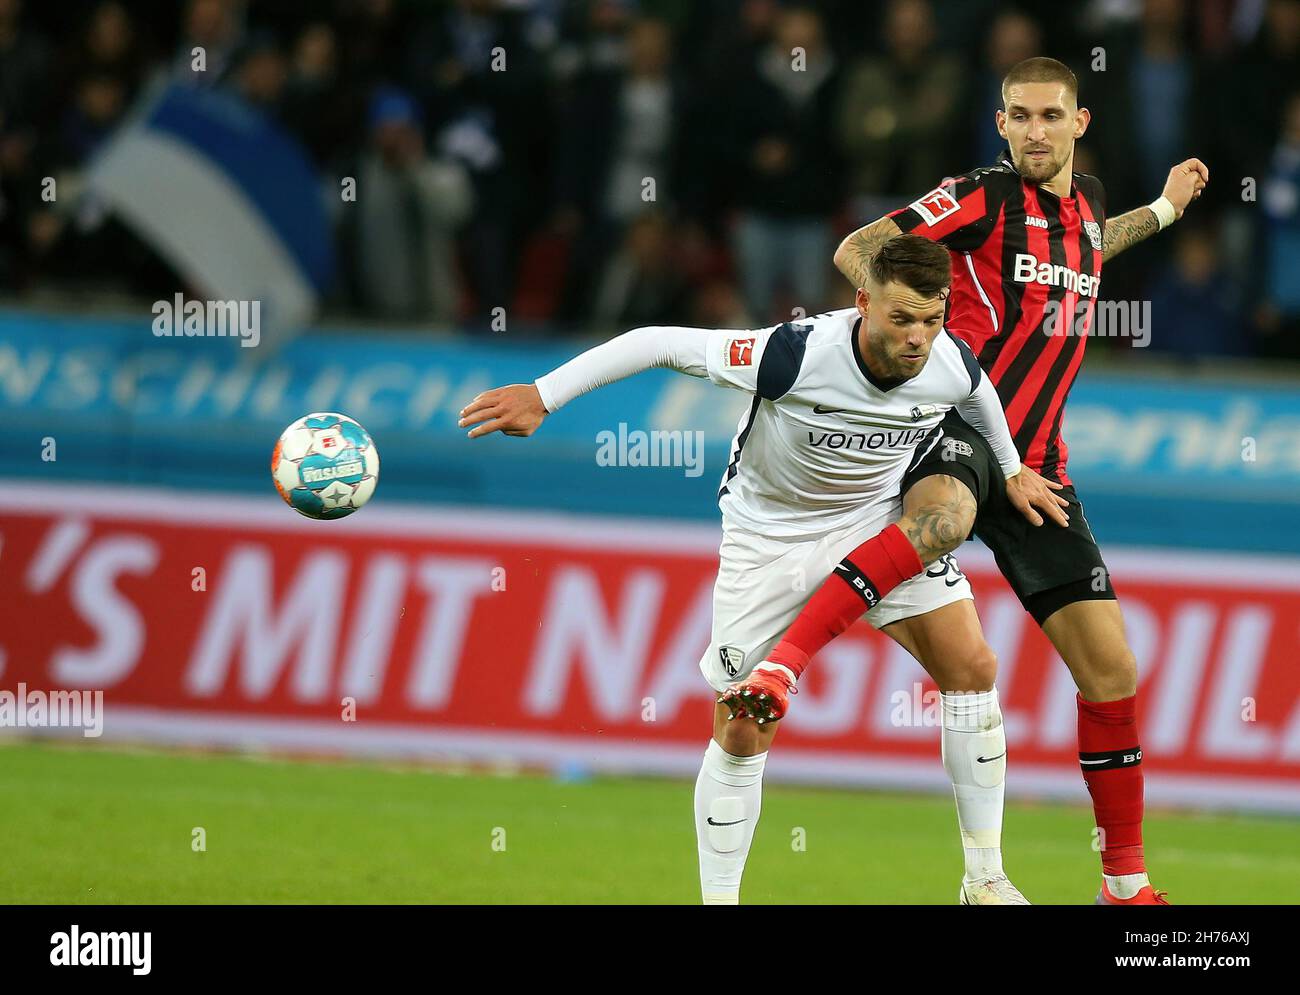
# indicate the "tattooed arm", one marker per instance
pixel 853 257
pixel 1184 185
pixel 1128 229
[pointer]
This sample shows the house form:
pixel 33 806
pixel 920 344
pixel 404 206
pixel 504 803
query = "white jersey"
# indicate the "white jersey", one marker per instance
pixel 823 439
pixel 824 444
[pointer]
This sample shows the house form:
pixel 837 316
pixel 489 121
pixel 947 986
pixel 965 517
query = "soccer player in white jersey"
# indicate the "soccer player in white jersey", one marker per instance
pixel 842 405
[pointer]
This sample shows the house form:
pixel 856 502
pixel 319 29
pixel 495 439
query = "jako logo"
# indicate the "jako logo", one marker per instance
pixel 180 318
pixel 102 949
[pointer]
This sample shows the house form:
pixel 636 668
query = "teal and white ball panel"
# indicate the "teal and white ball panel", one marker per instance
pixel 325 466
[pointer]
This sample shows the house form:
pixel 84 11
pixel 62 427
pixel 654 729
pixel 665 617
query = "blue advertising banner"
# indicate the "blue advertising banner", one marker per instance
pixel 1157 461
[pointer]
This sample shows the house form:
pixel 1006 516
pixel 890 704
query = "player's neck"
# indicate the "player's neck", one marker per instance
pixel 1061 183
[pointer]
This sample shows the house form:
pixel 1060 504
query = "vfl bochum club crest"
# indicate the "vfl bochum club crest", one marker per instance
pixel 732 659
pixel 1094 234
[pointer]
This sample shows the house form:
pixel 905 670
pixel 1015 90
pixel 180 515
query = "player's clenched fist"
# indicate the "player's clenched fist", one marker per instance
pixel 514 410
pixel 1185 183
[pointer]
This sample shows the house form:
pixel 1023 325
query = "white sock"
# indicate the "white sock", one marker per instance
pixel 1126 885
pixel 975 756
pixel 728 794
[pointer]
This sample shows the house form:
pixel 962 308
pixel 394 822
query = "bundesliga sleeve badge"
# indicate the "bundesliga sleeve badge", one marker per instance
pixel 740 352
pixel 935 206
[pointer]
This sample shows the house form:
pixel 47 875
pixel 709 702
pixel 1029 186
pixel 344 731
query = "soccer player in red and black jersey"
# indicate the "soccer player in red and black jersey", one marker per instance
pixel 1028 237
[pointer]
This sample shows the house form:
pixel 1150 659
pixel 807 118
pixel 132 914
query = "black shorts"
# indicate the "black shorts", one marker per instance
pixel 1046 565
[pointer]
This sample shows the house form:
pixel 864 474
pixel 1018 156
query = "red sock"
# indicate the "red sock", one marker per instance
pixel 862 578
pixel 1112 768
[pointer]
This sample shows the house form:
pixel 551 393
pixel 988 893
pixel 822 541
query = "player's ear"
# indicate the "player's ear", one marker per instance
pixel 1081 119
pixel 1000 116
pixel 863 301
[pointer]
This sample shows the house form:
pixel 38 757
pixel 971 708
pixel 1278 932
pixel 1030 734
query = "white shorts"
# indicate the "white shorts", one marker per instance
pixel 764 583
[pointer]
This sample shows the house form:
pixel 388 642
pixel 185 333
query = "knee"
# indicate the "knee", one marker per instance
pixel 1109 676
pixel 976 671
pixel 741 737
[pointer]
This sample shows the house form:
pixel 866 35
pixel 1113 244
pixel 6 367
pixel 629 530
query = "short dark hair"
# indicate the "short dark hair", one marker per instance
pixel 915 262
pixel 1041 70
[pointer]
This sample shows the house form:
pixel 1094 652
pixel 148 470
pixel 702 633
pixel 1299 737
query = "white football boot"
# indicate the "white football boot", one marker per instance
pixel 997 890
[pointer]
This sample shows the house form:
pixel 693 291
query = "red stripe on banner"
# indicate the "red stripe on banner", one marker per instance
pixel 554 638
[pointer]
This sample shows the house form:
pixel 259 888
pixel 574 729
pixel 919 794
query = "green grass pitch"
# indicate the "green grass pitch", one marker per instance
pixel 94 825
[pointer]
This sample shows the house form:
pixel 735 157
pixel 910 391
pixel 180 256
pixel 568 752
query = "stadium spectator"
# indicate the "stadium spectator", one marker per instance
pixel 1012 38
pixel 643 283
pixel 110 45
pixel 1191 300
pixel 1248 118
pixel 24 69
pixel 759 153
pixel 319 106
pixel 98 108
pixel 477 70
pixel 1279 316
pixel 899 109
pixel 210 38
pixel 1145 69
pixel 787 168
pixel 260 73
pixel 408 207
pixel 615 154
pixel 718 304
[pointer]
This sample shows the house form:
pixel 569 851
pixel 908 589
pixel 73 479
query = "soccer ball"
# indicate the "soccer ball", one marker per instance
pixel 325 466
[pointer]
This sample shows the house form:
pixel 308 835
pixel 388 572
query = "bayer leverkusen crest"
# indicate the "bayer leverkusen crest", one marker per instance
pixel 1094 234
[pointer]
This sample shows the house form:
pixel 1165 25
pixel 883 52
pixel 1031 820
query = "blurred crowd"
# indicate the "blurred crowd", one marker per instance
pixel 594 164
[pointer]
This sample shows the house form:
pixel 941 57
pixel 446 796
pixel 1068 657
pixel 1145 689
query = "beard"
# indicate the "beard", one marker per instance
pixel 1039 170
pixel 896 369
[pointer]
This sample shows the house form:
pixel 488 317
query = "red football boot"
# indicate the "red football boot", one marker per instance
pixel 763 695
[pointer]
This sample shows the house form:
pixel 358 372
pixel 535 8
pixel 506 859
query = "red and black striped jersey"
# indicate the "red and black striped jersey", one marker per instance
pixel 1026 269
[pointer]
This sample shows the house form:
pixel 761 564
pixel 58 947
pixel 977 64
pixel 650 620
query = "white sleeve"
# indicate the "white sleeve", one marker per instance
pixel 983 412
pixel 697 352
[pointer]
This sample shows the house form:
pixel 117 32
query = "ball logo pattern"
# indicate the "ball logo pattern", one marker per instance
pixel 325 466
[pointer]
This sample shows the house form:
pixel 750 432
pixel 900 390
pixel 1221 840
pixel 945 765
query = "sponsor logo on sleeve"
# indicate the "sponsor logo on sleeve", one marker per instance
pixel 935 206
pixel 740 352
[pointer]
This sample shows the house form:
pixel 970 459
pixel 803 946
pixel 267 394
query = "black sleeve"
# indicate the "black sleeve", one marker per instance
pixel 782 358
pixel 1092 189
pixel 967 357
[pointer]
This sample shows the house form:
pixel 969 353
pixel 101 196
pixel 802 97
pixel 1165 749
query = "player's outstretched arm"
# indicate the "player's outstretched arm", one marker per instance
pixel 1184 185
pixel 853 256
pixel 520 408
